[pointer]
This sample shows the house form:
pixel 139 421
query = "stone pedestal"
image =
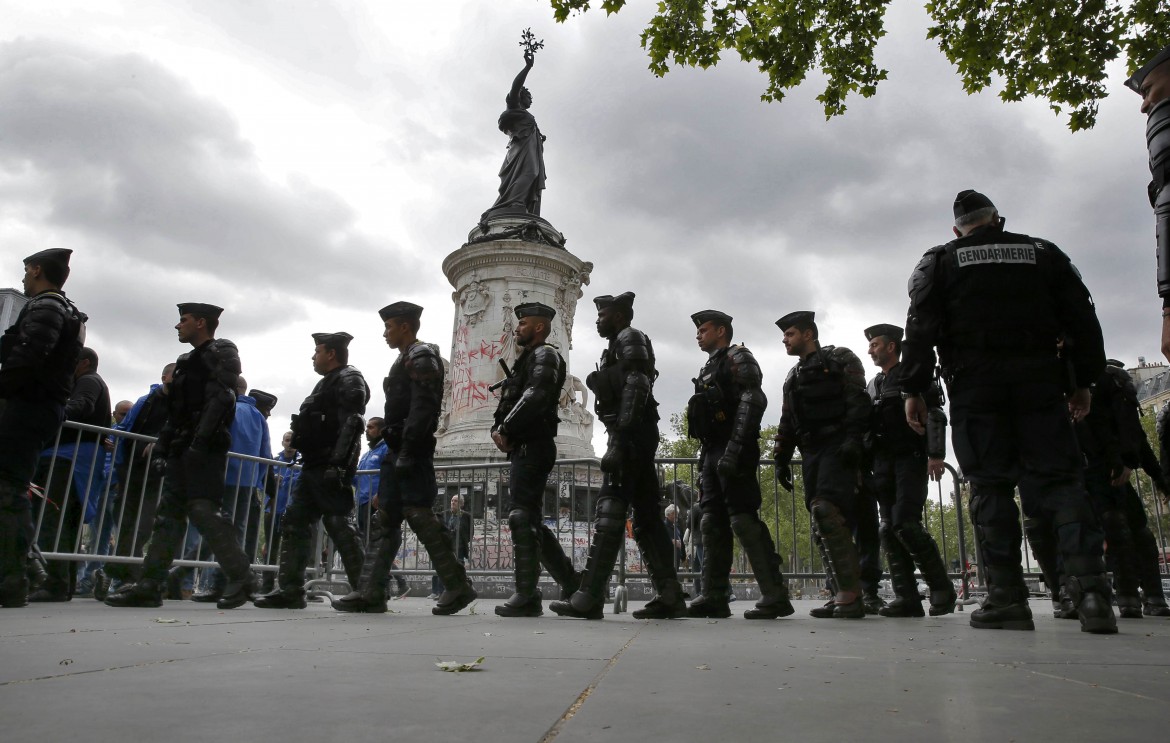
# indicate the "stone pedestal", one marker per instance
pixel 507 261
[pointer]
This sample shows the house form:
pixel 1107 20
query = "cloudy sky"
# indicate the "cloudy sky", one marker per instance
pixel 304 163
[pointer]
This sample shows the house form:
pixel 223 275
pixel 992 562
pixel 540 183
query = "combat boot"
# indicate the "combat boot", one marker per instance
pixel 1006 605
pixel 609 533
pixel 146 594
pixel 458 593
pixel 1155 606
pixel 907 602
pixel 658 552
pixel 761 553
pixel 526 601
pixel 842 553
pixel 925 552
pixel 345 540
pixel 1068 610
pixel 1090 593
pixel 220 534
pixel 713 604
pixel 14 592
pixel 872 602
pixel 557 563
pixel 369 596
pixel 1129 606
pixel 294 556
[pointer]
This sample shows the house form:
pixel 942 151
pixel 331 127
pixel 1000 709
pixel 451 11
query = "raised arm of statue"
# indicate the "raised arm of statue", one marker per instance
pixel 513 99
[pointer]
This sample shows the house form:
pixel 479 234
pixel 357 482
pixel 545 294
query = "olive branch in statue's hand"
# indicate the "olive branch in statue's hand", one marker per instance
pixel 530 43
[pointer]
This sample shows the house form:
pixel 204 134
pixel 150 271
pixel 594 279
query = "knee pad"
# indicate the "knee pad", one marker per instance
pixel 611 515
pixel 337 523
pixel 1076 514
pixel 519 519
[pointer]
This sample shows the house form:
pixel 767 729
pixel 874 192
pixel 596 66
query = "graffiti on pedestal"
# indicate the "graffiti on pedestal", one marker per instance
pixel 473 362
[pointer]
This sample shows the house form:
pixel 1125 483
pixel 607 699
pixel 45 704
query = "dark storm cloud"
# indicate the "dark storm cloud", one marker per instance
pixel 123 153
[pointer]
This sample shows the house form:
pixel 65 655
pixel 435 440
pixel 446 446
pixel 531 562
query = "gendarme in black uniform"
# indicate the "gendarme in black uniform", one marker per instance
pixel 623 389
pixel 994 303
pixel 327 432
pixel 195 441
pixel 900 482
pixel 38 356
pixel 826 413
pixel 526 421
pixel 724 414
pixel 407 486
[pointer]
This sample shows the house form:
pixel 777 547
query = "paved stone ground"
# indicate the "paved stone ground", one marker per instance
pixel 82 671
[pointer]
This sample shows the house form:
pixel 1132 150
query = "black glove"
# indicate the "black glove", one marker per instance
pixel 784 475
pixel 611 462
pixel 403 465
pixel 728 464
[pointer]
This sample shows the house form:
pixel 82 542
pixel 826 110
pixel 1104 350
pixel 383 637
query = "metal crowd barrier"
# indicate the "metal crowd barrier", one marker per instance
pixel 95 510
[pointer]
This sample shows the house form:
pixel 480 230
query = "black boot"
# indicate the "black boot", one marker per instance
pixel 658 552
pixel 369 596
pixel 212 593
pixel 1089 590
pixel 838 544
pixel 557 563
pixel 923 549
pixel 14 546
pixel 1120 545
pixel 907 602
pixel 1068 610
pixel 435 538
pixel 294 557
pixel 526 601
pixel 1042 540
pixel 1155 606
pixel 1006 605
pixel 609 534
pixel 220 535
pixel 146 594
pixel 757 544
pixel 717 548
pixel 345 539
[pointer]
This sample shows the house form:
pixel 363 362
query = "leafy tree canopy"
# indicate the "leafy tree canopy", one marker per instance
pixel 1056 50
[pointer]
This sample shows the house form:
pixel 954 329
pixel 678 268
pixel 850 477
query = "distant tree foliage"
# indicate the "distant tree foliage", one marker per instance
pixel 1055 50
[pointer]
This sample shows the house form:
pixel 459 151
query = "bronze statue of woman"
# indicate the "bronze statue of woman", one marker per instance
pixel 522 174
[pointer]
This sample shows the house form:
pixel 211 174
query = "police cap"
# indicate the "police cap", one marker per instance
pixel 265 401
pixel 534 309
pixel 1134 83
pixel 625 300
pixel 332 340
pixel 200 309
pixel 1114 362
pixel 53 261
pixel 970 201
pixel 801 320
pixel 705 316
pixel 889 332
pixel 400 309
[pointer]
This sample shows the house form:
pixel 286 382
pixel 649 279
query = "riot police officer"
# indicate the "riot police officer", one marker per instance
pixel 195 441
pixel 994 302
pixel 624 401
pixel 724 414
pixel 327 432
pixel 525 429
pixel 38 358
pixel 826 414
pixel 902 462
pixel 407 485
pixel 1152 83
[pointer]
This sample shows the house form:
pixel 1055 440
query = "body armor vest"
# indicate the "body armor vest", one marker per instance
pixel 628 352
pixel 317 425
pixel 711 410
pixel 541 423
pixel 818 389
pixel 999 301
